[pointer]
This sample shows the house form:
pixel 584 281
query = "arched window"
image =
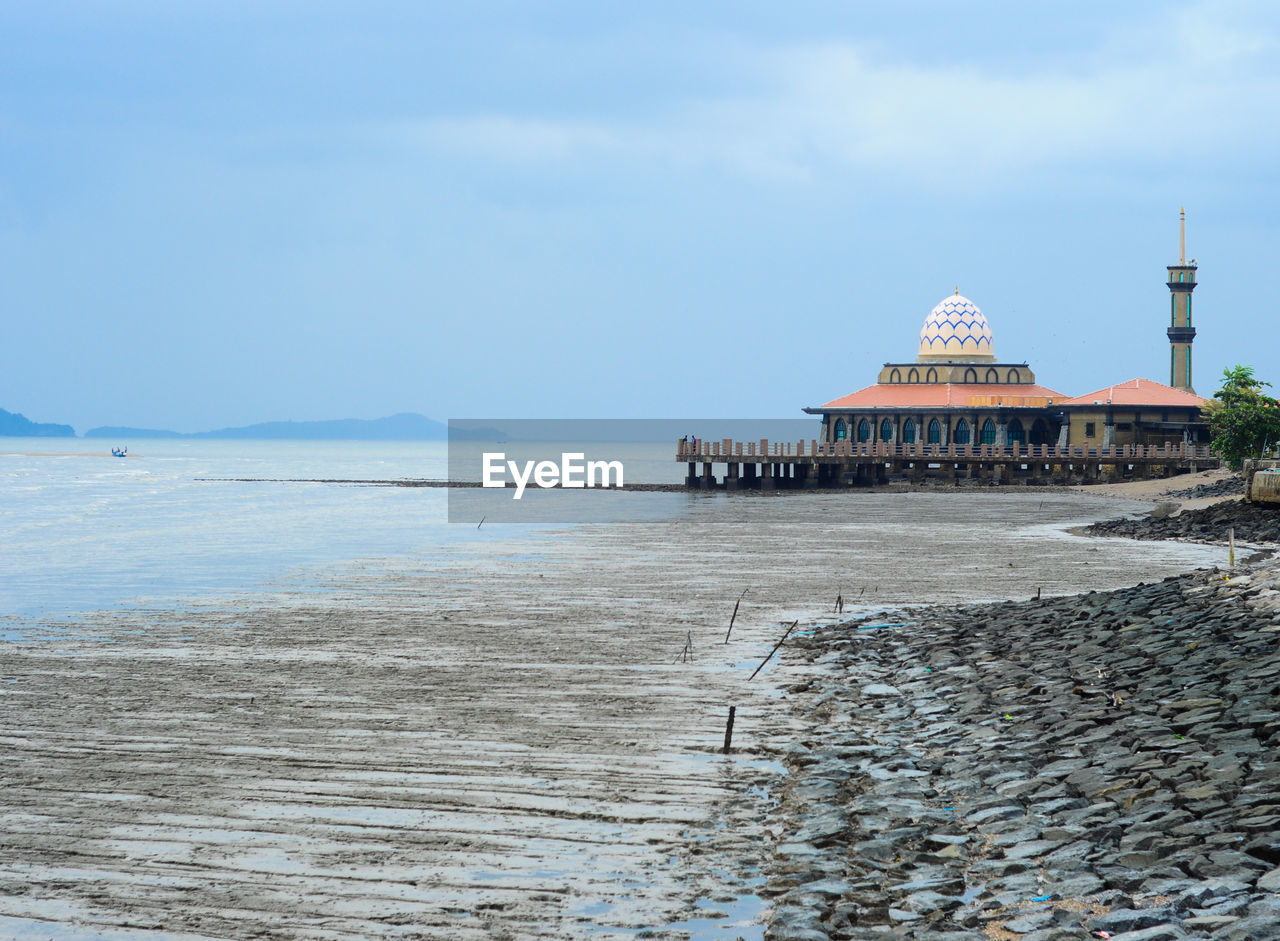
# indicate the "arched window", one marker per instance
pixel 908 432
pixel 988 432
pixel 992 376
pixel 913 375
pixel 886 430
pixel 962 432
pixel 895 376
pixel 971 375
pixel 1012 377
pixel 864 430
pixel 1039 432
pixel 1016 433
pixel 931 375
pixel 935 431
pixel 842 430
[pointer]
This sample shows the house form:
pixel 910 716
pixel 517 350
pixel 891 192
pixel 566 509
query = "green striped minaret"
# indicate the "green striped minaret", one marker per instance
pixel 1182 281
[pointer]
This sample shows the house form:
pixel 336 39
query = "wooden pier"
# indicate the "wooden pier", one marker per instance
pixel 769 465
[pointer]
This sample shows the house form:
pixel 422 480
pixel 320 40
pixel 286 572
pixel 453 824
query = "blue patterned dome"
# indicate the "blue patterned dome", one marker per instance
pixel 956 330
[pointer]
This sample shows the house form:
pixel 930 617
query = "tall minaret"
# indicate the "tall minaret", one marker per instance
pixel 1182 281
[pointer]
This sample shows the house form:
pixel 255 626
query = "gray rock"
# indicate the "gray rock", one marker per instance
pixel 1030 849
pixel 1203 893
pixel 795 922
pixel 1001 812
pixel 929 901
pixel 1132 919
pixel 1254 928
pixel 880 689
pixel 1270 882
pixel 1030 922
pixel 1166 932
pixel 1208 923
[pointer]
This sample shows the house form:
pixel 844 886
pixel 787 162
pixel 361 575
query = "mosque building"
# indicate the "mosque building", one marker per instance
pixel 956 391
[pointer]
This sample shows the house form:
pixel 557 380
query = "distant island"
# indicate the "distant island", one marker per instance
pixel 20 426
pixel 406 426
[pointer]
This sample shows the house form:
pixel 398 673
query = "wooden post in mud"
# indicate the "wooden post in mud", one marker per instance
pixel 1231 554
pixel 735 614
pixel 728 729
pixel 773 651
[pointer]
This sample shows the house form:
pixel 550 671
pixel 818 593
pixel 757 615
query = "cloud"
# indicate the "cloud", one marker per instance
pixel 1195 85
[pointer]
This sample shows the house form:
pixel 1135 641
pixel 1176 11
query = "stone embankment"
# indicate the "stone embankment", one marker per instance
pixel 1102 765
pixel 1229 486
pixel 1253 523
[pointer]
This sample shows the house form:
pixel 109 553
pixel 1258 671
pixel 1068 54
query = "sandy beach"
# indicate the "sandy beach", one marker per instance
pixel 513 745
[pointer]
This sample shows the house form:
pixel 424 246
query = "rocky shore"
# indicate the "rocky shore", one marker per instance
pixel 1101 765
pixel 1253 523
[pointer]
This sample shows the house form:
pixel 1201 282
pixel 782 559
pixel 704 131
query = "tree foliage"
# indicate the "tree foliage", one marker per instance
pixel 1244 420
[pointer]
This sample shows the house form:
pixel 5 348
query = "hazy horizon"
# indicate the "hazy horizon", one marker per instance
pixel 218 215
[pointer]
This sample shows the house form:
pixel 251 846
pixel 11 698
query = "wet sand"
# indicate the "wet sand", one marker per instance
pixel 495 742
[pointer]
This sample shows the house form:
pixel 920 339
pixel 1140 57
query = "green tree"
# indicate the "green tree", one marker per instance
pixel 1244 420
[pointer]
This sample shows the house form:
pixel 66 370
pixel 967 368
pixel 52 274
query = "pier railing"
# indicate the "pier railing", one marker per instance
pixel 728 450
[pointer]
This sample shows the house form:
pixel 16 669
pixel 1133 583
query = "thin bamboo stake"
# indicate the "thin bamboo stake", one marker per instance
pixel 773 651
pixel 735 614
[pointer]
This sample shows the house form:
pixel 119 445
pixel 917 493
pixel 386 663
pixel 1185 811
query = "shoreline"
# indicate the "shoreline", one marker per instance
pixel 1136 490
pixel 1041 769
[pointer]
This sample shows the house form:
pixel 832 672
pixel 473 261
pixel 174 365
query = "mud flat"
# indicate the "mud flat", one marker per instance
pixel 1045 770
pixel 505 740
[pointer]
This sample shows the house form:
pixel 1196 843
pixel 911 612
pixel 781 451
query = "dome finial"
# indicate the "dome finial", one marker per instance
pixel 957 290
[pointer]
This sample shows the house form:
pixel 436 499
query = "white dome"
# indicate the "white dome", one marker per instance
pixel 956 330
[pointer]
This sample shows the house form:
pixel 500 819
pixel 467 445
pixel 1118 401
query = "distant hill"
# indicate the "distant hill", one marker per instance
pixel 19 426
pixel 115 431
pixel 403 427
pixel 406 426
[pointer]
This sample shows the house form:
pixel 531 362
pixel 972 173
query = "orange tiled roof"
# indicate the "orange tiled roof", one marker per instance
pixel 1139 392
pixel 947 395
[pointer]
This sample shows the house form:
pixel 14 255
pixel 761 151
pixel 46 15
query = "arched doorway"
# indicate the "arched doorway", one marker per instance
pixel 935 431
pixel 886 430
pixel 1016 433
pixel 842 430
pixel 1039 432
pixel 988 432
pixel 908 432
pixel 864 430
pixel 962 432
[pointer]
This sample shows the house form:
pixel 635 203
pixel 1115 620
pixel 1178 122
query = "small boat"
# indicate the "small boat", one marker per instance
pixel 119 452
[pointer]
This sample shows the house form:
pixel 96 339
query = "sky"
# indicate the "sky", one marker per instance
pixel 215 212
